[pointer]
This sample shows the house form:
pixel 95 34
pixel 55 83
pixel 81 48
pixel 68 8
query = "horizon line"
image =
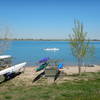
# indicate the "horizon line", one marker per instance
pixel 45 39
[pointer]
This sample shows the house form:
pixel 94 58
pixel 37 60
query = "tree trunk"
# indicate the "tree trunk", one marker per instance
pixel 79 65
pixel 79 70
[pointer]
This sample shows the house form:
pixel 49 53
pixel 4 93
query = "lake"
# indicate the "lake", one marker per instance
pixel 33 51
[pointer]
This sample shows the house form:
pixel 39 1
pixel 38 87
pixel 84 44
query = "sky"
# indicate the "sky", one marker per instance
pixel 49 19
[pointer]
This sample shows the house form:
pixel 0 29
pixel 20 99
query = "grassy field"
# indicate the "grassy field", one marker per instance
pixel 84 87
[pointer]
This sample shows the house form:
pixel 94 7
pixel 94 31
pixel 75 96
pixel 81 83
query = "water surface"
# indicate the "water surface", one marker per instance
pixel 32 51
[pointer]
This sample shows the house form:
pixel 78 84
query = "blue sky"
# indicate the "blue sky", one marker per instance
pixel 51 19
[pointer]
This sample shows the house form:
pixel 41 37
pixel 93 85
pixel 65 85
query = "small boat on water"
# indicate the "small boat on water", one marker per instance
pixel 51 49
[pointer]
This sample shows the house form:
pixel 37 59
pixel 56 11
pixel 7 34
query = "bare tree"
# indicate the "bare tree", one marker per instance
pixel 5 37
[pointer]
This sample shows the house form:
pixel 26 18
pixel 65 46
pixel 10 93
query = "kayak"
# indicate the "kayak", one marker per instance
pixel 42 67
pixel 44 60
pixel 60 66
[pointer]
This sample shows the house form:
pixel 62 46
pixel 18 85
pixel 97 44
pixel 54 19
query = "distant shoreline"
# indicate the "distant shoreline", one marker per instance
pixel 44 39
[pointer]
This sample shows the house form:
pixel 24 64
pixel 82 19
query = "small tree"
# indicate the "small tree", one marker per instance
pixel 80 45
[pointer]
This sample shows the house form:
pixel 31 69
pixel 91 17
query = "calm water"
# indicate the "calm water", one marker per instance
pixel 32 51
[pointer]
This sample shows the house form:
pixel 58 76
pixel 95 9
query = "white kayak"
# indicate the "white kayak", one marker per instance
pixel 13 69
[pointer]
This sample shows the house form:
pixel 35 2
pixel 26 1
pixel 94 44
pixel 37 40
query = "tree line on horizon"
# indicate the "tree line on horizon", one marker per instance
pixel 45 39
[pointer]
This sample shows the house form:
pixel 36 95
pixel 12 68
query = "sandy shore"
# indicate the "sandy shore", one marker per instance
pixel 67 69
pixel 29 74
pixel 74 69
pixel 30 71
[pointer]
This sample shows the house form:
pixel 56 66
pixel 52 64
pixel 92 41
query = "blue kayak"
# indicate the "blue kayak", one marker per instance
pixel 60 66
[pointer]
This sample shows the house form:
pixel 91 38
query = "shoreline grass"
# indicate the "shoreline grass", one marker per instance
pixel 83 87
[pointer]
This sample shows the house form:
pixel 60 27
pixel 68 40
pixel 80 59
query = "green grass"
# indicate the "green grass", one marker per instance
pixel 84 87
